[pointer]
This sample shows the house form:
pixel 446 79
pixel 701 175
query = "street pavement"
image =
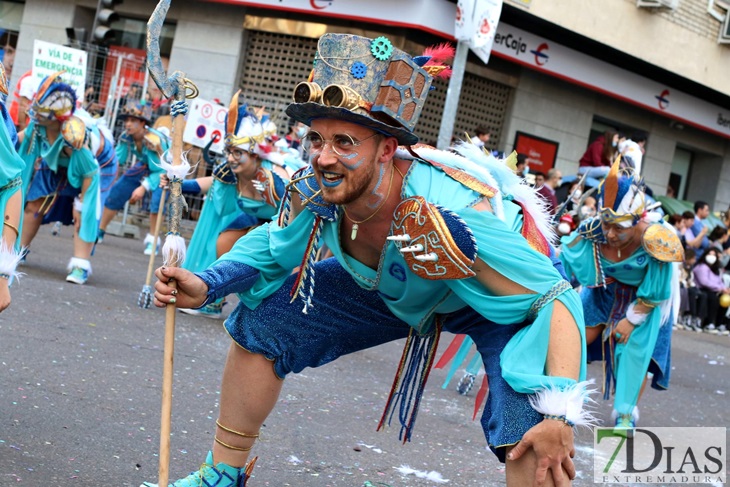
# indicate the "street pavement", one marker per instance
pixel 80 386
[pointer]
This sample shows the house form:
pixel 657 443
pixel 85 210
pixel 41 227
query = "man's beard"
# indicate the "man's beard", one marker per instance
pixel 356 187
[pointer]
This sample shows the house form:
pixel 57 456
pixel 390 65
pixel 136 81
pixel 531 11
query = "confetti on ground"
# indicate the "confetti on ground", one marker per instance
pixel 294 460
pixel 433 476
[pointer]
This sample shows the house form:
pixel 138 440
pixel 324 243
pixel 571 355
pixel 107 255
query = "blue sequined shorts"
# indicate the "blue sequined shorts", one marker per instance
pixel 335 327
pixel 122 191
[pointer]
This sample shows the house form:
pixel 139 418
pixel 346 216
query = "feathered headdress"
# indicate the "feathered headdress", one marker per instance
pixel 54 99
pixel 621 197
pixel 245 129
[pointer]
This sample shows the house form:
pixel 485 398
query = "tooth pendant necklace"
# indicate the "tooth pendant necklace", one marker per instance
pixel 356 224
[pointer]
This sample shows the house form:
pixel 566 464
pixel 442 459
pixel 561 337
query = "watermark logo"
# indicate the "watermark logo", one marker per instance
pixel 659 455
pixel 663 99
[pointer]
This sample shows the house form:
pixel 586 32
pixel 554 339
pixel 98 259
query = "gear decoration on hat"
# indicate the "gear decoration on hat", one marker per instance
pixel 381 48
pixel 358 70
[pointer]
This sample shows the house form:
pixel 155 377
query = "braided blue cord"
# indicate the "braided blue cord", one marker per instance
pixel 179 108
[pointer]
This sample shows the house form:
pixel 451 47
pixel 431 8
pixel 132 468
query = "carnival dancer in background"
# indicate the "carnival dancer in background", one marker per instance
pixel 242 193
pixel 624 258
pixel 101 143
pixel 379 210
pixel 65 186
pixel 142 176
pixel 11 198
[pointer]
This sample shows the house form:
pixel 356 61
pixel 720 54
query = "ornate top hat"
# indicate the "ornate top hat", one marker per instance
pixel 621 197
pixel 368 82
pixel 54 100
pixel 139 110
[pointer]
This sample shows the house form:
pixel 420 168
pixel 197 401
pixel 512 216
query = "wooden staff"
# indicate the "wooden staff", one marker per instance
pixel 174 249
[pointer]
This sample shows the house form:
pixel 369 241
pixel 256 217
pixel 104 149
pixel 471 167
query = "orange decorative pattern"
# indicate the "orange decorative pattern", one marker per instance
pixel 73 131
pixel 466 179
pixel 662 243
pixel 426 227
pixel 269 193
pixel 532 234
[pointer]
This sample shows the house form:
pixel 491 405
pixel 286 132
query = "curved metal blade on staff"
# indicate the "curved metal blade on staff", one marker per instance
pixel 173 251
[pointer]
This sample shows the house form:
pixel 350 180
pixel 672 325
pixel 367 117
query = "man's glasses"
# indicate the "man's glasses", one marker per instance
pixel 342 144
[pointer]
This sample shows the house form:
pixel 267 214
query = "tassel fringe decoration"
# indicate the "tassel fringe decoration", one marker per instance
pixel 481 396
pixel 306 268
pixel 410 381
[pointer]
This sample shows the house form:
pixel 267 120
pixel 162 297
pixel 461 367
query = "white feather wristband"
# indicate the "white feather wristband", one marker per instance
pixel 9 260
pixel 634 317
pixel 568 403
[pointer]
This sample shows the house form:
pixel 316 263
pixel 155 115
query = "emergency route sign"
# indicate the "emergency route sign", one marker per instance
pixel 49 58
pixel 206 120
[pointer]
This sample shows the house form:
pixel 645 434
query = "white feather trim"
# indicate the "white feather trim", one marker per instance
pixel 174 250
pixel 80 263
pixel 9 260
pixel 458 161
pixel 569 402
pixel 180 171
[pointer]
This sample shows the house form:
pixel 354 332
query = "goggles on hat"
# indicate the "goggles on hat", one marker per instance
pixel 332 96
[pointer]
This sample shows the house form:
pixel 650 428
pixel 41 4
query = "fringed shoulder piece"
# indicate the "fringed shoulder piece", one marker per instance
pixel 270 185
pixel 435 242
pixel 662 243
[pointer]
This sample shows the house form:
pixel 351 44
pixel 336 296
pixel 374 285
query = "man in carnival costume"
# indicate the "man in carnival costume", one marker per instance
pixel 142 177
pixel 11 197
pixel 65 186
pixel 424 241
pixel 101 143
pixel 243 192
pixel 624 259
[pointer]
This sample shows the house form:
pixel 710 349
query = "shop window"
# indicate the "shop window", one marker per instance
pixel 11 14
pixel 132 33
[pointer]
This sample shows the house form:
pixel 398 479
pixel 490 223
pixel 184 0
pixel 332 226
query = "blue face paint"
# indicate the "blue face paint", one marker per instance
pixel 379 197
pixel 351 167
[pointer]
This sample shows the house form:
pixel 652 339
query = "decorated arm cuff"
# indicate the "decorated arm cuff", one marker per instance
pixel 567 404
pixel 191 186
pixel 634 317
pixel 227 277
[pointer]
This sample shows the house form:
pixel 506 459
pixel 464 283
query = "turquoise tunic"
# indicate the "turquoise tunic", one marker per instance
pixel 147 160
pixel 79 166
pixel 11 169
pixel 648 278
pixel 275 251
pixel 222 205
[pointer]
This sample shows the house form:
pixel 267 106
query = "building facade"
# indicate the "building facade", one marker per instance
pixel 560 72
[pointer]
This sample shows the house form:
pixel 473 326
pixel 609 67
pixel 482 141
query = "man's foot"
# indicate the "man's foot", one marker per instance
pixel 625 425
pixel 711 329
pixel 78 276
pixel 722 330
pixel 149 242
pixel 80 270
pixel 220 475
pixel 466 383
pixel 148 249
pixel 212 310
pixel 100 236
pixel 696 324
